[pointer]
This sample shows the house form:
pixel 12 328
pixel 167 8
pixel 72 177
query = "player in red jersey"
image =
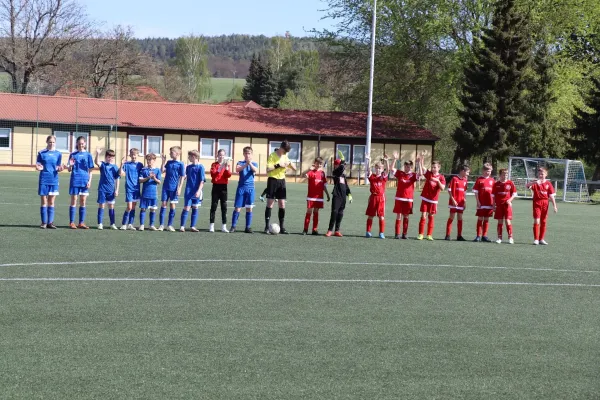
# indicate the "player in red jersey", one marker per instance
pixel 220 172
pixel 317 184
pixel 403 204
pixel 434 184
pixel 376 207
pixel 456 202
pixel 483 188
pixel 542 191
pixel 504 193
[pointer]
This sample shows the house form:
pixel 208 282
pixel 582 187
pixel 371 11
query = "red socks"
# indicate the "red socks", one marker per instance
pixel 509 230
pixel 430 225
pixel 422 226
pixel 542 230
pixel 315 221
pixel 369 224
pixel 459 227
pixel 405 226
pixel 381 225
pixel 306 221
pixel 500 230
pixel 479 226
pixel 536 231
pixel 397 227
pixel 449 227
pixel 486 226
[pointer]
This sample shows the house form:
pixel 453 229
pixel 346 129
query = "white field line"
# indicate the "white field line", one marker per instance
pixel 285 280
pixel 53 263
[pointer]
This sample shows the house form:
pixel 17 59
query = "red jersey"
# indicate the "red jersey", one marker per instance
pixel 431 190
pixel 483 189
pixel 378 184
pixel 316 184
pixel 542 190
pixel 219 177
pixel 406 185
pixel 503 191
pixel 458 188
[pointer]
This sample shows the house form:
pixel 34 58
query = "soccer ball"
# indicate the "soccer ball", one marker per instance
pixel 274 229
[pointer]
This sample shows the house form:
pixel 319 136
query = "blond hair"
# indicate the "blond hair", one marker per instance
pixel 194 153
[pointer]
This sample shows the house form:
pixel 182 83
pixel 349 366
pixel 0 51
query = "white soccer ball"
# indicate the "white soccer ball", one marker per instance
pixel 274 229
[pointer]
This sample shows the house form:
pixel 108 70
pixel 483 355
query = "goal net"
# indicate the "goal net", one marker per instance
pixel 567 176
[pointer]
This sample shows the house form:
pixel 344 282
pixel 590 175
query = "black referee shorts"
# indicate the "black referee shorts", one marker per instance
pixel 276 189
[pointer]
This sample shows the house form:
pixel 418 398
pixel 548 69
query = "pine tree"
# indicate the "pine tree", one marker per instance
pixel 585 137
pixel 493 117
pixel 252 88
pixel 261 86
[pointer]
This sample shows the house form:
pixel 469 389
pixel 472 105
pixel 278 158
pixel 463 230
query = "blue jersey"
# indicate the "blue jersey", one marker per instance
pixel 80 171
pixel 246 175
pixel 109 175
pixel 195 175
pixel 132 171
pixel 50 160
pixel 173 171
pixel 149 188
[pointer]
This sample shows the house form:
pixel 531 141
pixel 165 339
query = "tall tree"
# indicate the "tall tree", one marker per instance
pixel 35 35
pixel 252 87
pixel 261 86
pixel 192 62
pixel 585 137
pixel 493 99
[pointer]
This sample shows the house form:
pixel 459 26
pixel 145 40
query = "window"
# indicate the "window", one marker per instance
pixel 207 148
pixel 345 149
pixel 76 135
pixel 4 139
pixel 226 145
pixel 154 145
pixel 293 155
pixel 62 141
pixel 358 155
pixel 136 142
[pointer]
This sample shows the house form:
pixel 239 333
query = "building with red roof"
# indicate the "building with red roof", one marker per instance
pixel 26 120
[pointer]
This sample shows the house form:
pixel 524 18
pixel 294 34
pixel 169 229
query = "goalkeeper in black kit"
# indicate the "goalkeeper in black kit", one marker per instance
pixel 341 190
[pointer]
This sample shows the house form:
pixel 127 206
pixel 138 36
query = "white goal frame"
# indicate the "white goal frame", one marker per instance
pixel 571 187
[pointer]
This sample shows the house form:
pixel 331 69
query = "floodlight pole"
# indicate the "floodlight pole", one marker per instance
pixel 371 79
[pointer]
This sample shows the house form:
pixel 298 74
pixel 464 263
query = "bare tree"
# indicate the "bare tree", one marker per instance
pixel 35 35
pixel 192 62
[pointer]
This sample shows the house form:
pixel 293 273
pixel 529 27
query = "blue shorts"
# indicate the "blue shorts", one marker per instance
pixel 132 197
pixel 79 191
pixel 169 195
pixel 244 197
pixel 47 190
pixel 105 197
pixel 192 201
pixel 148 204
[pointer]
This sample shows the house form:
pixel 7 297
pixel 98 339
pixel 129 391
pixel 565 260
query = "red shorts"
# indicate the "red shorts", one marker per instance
pixel 503 211
pixel 459 208
pixel 376 207
pixel 484 212
pixel 540 210
pixel 314 204
pixel 430 208
pixel 403 207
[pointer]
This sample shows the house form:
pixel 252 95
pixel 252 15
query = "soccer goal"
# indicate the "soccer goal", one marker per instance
pixel 567 176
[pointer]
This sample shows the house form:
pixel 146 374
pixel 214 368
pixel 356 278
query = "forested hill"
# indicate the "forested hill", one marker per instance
pixel 229 55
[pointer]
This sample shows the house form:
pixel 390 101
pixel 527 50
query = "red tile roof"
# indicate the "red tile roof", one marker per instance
pixel 241 103
pixel 203 117
pixel 139 93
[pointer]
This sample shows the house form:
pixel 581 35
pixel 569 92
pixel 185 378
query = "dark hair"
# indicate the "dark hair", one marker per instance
pixel 409 162
pixel 285 145
pixel 109 153
pixel 319 160
pixel 464 167
pixel 247 149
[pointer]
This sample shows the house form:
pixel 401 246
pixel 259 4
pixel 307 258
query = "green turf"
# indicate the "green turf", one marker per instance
pixel 221 87
pixel 335 318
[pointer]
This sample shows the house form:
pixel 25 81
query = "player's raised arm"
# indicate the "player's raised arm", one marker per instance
pixel 395 157
pixel 96 158
pixel 368 165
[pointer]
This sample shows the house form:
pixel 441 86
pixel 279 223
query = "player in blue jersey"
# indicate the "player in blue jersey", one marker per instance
pixel 150 177
pixel 49 163
pixel 131 169
pixel 81 165
pixel 108 187
pixel 194 175
pixel 174 171
pixel 244 195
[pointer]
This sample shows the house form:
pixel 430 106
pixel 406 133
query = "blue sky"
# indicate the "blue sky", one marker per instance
pixel 174 18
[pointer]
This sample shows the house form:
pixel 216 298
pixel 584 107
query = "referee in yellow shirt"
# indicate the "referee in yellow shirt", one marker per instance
pixel 277 163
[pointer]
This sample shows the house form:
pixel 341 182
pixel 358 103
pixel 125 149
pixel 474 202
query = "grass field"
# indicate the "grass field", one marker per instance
pixel 221 88
pixel 159 315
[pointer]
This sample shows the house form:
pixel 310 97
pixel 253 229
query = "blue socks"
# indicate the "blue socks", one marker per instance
pixel 248 219
pixel 234 218
pixel 125 217
pixel 163 211
pixel 194 216
pixel 132 217
pixel 44 215
pixel 100 215
pixel 72 215
pixel 184 215
pixel 152 217
pixel 82 212
pixel 171 217
pixel 111 215
pixel 142 217
pixel 50 215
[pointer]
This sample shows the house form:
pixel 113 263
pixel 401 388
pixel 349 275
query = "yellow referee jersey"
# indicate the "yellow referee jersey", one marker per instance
pixel 278 173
